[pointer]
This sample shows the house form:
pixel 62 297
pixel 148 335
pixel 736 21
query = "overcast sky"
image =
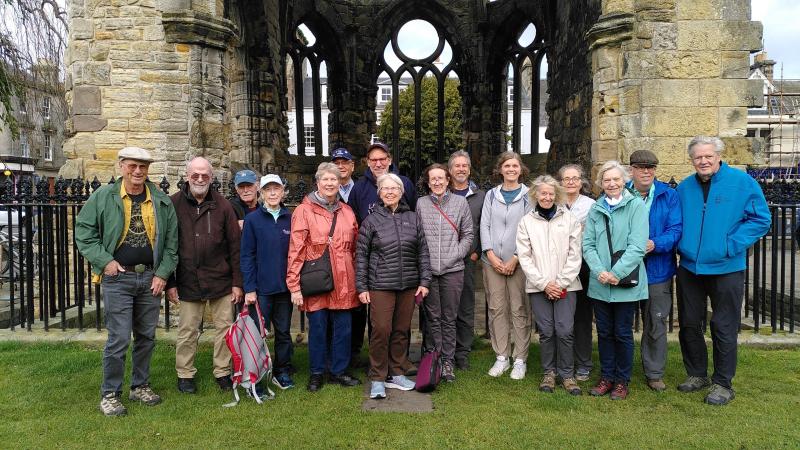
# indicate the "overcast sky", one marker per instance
pixel 781 19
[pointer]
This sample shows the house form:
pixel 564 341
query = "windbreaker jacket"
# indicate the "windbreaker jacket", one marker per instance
pixel 99 227
pixel 666 224
pixel 364 195
pixel 499 222
pixel 265 250
pixel 629 229
pixel 311 223
pixel 446 246
pixel 550 250
pixel 209 244
pixel 392 254
pixel 717 233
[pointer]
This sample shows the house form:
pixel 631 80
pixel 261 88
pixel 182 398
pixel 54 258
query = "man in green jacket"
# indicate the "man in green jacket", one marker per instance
pixel 129 232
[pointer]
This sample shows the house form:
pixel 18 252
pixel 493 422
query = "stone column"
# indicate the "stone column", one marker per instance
pixel 667 70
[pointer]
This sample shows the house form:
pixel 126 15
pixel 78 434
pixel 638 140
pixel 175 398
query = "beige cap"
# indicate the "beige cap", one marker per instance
pixel 137 153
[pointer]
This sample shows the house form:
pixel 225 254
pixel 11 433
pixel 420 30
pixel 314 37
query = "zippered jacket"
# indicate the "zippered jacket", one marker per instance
pixel 499 222
pixel 629 230
pixel 364 194
pixel 99 227
pixel 550 250
pixel 666 224
pixel 391 253
pixel 717 233
pixel 475 197
pixel 265 250
pixel 210 241
pixel 447 246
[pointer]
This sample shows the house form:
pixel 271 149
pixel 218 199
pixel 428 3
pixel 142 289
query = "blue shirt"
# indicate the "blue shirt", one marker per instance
pixel 344 190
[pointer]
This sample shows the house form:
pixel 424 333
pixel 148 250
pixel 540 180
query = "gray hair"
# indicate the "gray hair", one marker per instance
pixel 719 146
pixel 458 154
pixel 326 167
pixel 576 167
pixel 547 180
pixel 611 165
pixel 383 179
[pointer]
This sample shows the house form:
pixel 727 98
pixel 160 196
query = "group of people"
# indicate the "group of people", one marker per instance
pixel 551 256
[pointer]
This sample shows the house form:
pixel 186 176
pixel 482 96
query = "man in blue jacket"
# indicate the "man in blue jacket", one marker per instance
pixel 363 197
pixel 664 211
pixel 724 213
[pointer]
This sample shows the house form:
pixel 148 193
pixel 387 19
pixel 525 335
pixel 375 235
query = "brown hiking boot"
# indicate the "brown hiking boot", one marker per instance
pixel 603 387
pixel 548 383
pixel 571 386
pixel 657 385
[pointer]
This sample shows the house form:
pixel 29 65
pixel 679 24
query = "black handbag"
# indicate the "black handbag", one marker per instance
pixel 316 276
pixel 632 279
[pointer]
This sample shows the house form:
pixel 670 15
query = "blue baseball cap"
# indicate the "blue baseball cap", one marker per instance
pixel 245 176
pixel 341 153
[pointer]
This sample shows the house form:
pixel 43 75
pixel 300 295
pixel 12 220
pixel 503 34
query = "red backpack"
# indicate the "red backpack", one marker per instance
pixel 251 358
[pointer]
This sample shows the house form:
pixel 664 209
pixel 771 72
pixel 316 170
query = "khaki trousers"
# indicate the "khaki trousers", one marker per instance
pixel 191 314
pixel 509 312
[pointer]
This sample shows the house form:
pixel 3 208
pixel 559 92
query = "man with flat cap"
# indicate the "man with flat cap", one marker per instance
pixel 665 230
pixel 129 232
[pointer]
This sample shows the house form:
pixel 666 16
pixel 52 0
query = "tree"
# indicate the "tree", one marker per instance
pixel 453 123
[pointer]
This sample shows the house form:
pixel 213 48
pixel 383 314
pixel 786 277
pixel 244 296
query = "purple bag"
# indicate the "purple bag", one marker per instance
pixel 429 372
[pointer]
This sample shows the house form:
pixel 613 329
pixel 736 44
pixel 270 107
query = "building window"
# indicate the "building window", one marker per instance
pixel 47 148
pixel 308 133
pixel 386 94
pixel 511 94
pixel 46 108
pixel 24 149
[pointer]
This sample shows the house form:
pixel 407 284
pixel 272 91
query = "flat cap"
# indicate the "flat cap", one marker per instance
pixel 137 153
pixel 644 158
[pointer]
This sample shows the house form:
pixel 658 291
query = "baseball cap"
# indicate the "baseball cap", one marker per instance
pixel 379 145
pixel 245 176
pixel 341 153
pixel 270 178
pixel 137 153
pixel 644 158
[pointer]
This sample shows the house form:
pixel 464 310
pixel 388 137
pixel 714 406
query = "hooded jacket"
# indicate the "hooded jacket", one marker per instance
pixel 550 250
pixel 209 243
pixel 499 222
pixel 447 246
pixel 364 195
pixel 629 230
pixel 718 232
pixel 265 249
pixel 392 254
pixel 311 223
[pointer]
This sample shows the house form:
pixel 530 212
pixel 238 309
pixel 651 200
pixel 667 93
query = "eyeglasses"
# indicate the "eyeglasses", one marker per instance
pixel 571 179
pixel 641 167
pixel 378 160
pixel 134 166
pixel 200 176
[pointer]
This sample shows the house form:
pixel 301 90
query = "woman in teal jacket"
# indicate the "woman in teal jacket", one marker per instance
pixel 614 306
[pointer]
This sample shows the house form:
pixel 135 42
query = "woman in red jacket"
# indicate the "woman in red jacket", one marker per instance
pixel 311 225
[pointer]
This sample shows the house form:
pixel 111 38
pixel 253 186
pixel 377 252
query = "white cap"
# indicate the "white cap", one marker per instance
pixel 270 178
pixel 136 153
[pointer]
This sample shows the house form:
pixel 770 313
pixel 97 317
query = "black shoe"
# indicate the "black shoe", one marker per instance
pixel 225 383
pixel 462 363
pixel 357 363
pixel 315 382
pixel 344 379
pixel 187 386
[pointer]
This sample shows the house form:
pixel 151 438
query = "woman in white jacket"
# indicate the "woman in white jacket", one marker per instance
pixel 549 250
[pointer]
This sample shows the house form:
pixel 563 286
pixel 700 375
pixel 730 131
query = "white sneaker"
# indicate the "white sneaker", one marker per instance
pixel 501 365
pixel 518 372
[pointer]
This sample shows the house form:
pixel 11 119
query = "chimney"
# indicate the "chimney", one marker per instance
pixel 767 66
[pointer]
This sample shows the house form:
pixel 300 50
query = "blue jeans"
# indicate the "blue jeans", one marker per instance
pixel 615 339
pixel 277 308
pixel 318 341
pixel 129 307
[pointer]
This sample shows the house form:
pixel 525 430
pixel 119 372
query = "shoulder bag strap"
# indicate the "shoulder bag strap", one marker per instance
pixel 446 218
pixel 333 227
pixel 608 235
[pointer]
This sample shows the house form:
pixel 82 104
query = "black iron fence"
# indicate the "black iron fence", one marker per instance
pixel 46 283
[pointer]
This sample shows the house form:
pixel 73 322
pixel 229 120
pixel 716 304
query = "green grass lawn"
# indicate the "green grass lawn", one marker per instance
pixel 49 396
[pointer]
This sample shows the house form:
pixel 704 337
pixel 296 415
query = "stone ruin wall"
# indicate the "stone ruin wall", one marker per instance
pixel 183 78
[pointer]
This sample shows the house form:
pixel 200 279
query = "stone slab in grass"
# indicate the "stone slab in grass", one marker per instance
pixel 398 401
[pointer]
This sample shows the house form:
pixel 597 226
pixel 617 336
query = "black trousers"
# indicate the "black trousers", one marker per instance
pixel 726 292
pixel 358 326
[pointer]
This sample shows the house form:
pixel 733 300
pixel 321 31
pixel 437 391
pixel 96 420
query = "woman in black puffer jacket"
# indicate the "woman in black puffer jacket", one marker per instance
pixel 392 267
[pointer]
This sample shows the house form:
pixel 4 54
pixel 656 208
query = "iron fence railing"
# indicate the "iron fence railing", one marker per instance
pixel 46 283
